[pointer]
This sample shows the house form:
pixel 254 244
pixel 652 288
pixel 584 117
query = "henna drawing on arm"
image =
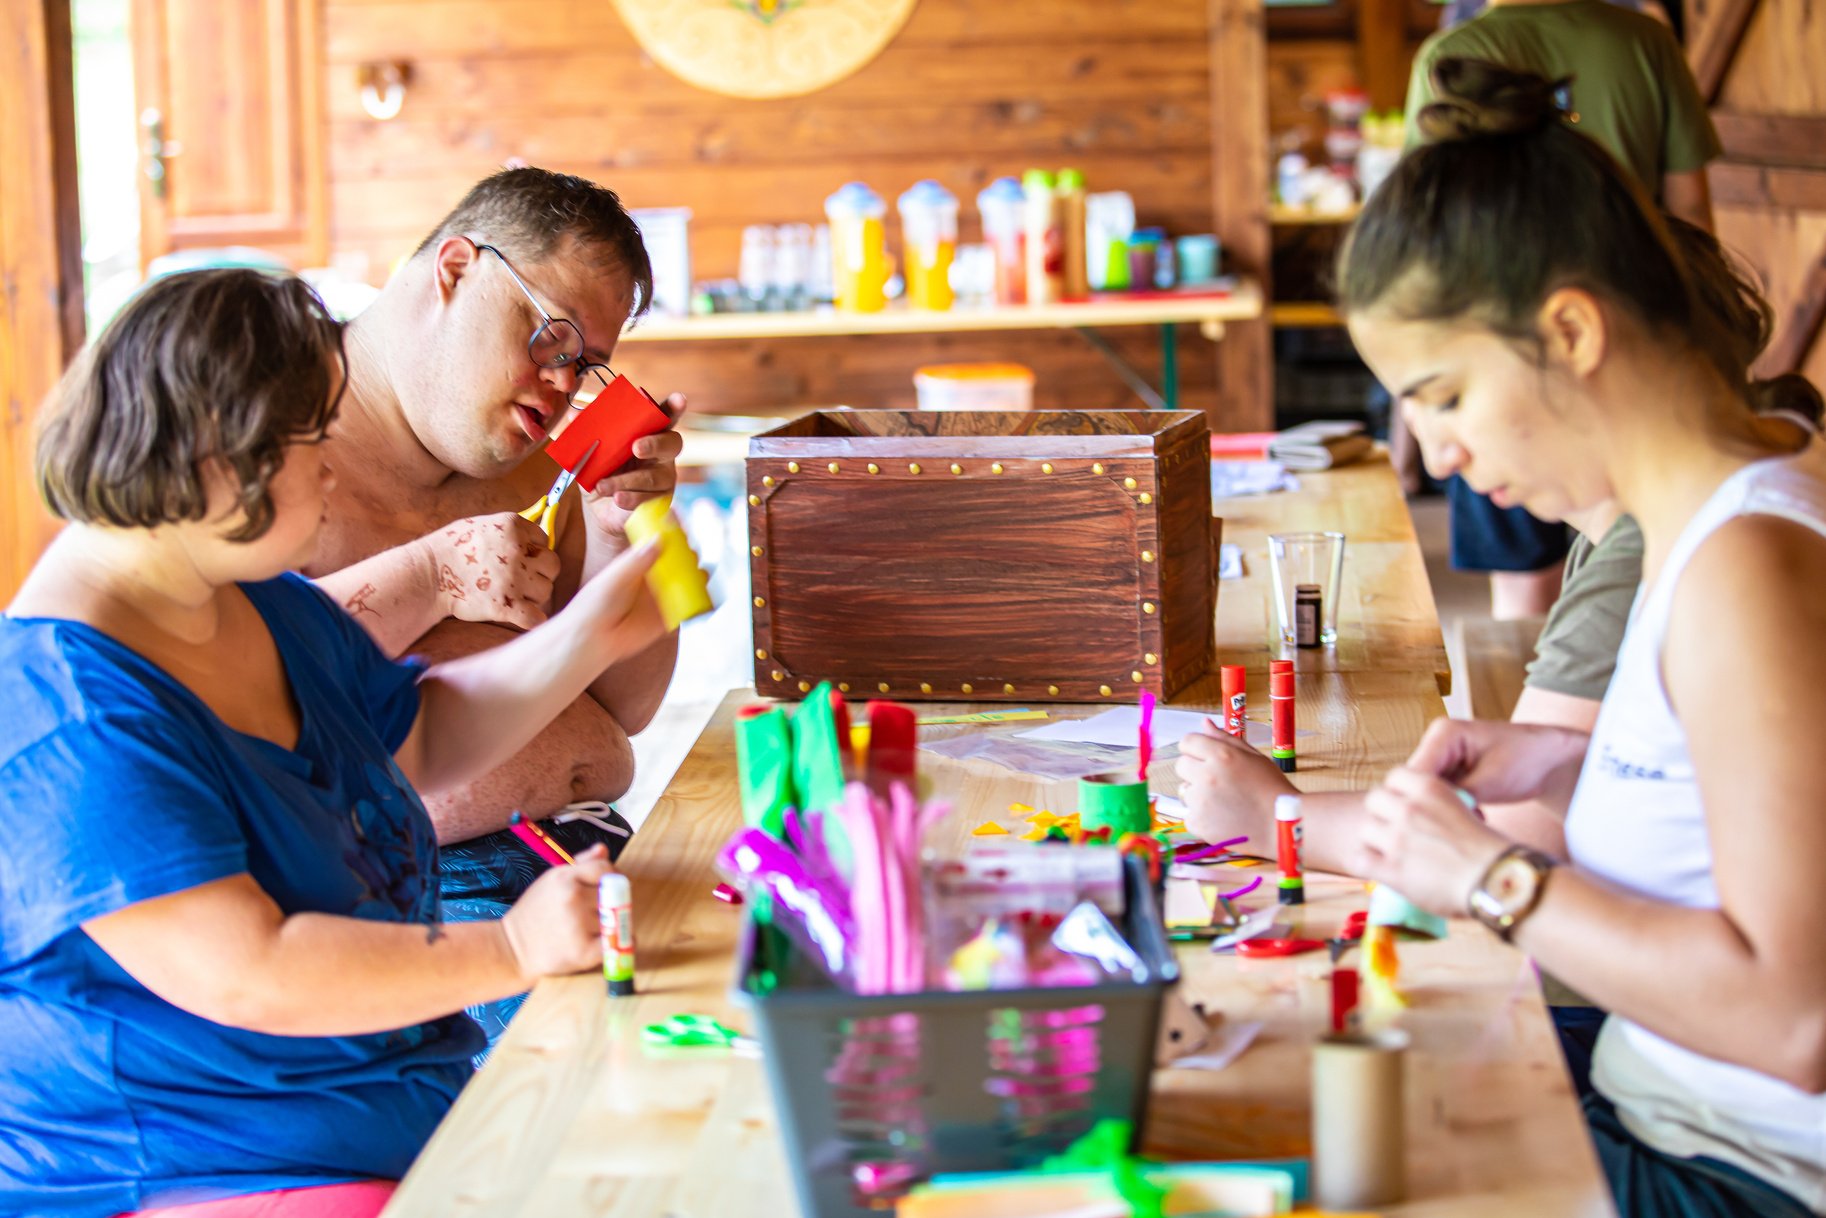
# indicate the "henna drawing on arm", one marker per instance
pixel 447 581
pixel 358 604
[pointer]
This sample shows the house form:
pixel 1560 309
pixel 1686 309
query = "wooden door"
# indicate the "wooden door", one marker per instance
pixel 1758 64
pixel 230 126
pixel 41 321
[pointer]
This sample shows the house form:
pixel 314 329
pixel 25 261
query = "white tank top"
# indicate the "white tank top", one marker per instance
pixel 1636 820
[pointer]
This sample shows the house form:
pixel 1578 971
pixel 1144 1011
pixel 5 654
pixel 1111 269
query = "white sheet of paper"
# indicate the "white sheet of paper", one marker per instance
pixel 1231 479
pixel 1121 725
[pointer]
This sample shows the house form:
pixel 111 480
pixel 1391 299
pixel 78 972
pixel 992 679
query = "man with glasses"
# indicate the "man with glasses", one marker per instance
pixel 499 327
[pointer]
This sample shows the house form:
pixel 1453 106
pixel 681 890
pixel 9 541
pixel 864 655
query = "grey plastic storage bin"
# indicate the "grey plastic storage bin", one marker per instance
pixel 875 1092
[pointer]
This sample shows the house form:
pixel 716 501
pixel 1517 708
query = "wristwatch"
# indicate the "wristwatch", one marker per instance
pixel 1511 888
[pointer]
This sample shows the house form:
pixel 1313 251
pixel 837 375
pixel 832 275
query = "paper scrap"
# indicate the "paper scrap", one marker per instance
pixel 1229 561
pixel 1233 479
pixel 1056 761
pixel 1254 926
pixel 1120 726
pixel 1005 716
pixel 1232 1040
pixel 989 829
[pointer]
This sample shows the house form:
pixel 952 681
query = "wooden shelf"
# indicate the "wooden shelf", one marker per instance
pixel 1303 315
pixel 1241 303
pixel 1290 217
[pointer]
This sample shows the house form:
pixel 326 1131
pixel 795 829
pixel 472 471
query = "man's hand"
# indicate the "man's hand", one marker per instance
pixel 492 569
pixel 652 471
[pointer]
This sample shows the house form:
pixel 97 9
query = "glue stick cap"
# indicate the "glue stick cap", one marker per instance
pixel 1287 807
pixel 1280 683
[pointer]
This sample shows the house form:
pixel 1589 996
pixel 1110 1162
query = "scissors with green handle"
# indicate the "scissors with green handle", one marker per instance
pixel 697 1032
pixel 544 510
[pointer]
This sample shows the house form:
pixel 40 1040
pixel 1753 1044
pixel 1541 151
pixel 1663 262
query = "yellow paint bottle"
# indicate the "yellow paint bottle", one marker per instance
pixel 678 583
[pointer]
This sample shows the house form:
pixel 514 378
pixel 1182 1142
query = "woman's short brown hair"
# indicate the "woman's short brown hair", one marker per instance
pixel 220 365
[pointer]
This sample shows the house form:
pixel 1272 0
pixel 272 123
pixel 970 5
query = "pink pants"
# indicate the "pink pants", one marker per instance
pixel 363 1199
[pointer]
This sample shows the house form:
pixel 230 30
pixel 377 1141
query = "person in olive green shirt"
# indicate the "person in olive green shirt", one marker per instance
pixel 1631 90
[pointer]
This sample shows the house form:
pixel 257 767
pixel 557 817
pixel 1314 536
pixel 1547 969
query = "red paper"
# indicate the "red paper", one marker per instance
pixel 620 415
pixel 1241 445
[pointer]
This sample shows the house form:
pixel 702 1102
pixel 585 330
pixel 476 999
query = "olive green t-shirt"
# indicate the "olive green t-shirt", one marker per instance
pixel 1632 89
pixel 1577 650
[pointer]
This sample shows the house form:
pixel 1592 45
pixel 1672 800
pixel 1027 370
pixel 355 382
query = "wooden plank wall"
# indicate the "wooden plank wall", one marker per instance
pixel 1769 193
pixel 41 320
pixel 969 90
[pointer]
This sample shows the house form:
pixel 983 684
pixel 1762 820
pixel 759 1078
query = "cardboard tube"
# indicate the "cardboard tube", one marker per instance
pixel 1106 801
pixel 1359 1141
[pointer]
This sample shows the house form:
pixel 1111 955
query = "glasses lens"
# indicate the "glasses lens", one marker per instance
pixel 556 344
pixel 591 380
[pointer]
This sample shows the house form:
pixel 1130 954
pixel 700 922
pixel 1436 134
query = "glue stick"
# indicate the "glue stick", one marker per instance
pixel 1280 701
pixel 1289 834
pixel 615 911
pixel 1233 679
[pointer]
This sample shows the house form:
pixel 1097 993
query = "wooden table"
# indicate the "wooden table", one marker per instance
pixel 572 1118
pixel 1243 302
pixel 1387 619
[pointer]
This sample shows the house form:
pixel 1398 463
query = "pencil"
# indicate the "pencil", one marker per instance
pixel 538 840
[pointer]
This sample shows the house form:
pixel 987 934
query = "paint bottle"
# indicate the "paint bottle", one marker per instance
pixel 1290 837
pixel 1002 206
pixel 1077 284
pixel 1307 607
pixel 615 912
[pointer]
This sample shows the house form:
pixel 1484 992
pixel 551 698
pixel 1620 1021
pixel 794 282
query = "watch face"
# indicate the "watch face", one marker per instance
pixel 1511 884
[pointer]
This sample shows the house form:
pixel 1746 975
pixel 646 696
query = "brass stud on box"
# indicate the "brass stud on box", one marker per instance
pixel 874 468
pixel 1105 690
pixel 756 551
pixel 956 468
pixel 1046 467
pixel 805 687
pixel 777 675
pixel 1136 677
pixel 760 653
pixel 1149 658
pixel 767 480
pixel 1008 689
pixel 843 687
pixel 996 468
pixel 1129 484
pixel 912 467
pixel 754 501
pixel 760 602
pixel 792 467
pixel 968 688
pixel 1146 498
pixel 882 686
pixel 1053 690
pixel 925 687
pixel 1147 606
pixel 1096 467
pixel 833 467
pixel 1147 556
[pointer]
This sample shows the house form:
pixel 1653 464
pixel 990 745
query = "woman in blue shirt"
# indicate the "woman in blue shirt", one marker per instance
pixel 222 967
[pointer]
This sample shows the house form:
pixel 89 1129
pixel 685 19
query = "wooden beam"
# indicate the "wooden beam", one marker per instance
pixel 1238 40
pixel 1796 331
pixel 1797 140
pixel 1715 28
pixel 1742 185
pixel 41 304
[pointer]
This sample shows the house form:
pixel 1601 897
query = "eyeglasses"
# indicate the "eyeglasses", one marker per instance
pixel 558 343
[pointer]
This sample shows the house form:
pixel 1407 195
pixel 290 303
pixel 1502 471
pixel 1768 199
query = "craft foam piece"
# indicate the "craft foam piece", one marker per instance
pixel 989 829
pixel 1389 908
pixel 678 583
pixel 817 759
pixel 620 415
pixel 764 765
pixel 893 746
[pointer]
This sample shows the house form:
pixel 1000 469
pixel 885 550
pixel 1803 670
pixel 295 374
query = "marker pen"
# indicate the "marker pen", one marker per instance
pixel 1289 833
pixel 615 911
pixel 1234 678
pixel 1280 700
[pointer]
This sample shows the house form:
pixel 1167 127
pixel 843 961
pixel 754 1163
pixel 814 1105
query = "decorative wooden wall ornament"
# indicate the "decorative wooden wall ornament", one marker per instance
pixel 763 48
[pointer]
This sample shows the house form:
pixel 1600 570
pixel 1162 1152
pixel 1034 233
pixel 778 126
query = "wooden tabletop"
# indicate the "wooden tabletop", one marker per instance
pixel 1387 618
pixel 1242 303
pixel 571 1117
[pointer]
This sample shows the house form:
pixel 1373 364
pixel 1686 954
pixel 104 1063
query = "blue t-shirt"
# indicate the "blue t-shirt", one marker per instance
pixel 117 785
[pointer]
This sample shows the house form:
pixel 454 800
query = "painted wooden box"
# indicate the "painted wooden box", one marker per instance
pixel 983 555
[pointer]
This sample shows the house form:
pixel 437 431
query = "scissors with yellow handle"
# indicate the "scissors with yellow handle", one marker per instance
pixel 544 510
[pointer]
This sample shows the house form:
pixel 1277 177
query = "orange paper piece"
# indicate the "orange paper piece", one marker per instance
pixel 989 829
pixel 1043 820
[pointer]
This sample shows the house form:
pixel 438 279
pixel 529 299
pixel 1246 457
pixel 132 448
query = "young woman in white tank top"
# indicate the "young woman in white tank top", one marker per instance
pixel 1547 341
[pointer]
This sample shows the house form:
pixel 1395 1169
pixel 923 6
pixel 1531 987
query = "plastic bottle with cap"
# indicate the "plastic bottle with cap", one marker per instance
pixel 928 239
pixel 1045 238
pixel 1002 205
pixel 859 256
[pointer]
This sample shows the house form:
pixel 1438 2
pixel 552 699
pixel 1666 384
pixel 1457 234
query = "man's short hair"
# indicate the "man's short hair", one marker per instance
pixel 529 211
pixel 227 365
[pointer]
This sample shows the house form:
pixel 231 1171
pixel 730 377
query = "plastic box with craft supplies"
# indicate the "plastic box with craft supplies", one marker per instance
pixel 983 555
pixel 875 1092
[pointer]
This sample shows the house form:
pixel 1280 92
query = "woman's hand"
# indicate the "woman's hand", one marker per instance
pixel 652 471
pixel 623 617
pixel 1420 839
pixel 553 928
pixel 1500 762
pixel 1229 787
pixel 492 569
